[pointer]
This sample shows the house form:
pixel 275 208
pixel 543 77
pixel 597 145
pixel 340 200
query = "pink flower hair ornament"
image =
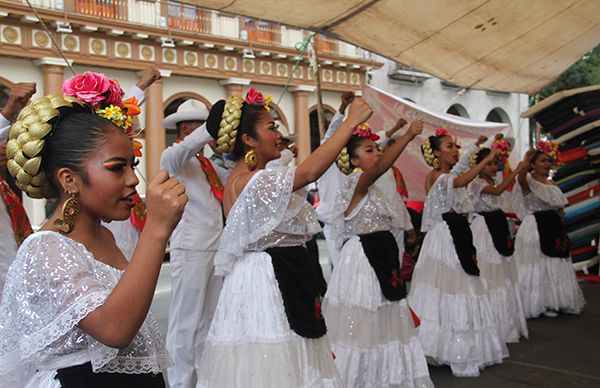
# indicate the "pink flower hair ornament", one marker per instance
pixel 255 97
pixel 364 131
pixel 441 132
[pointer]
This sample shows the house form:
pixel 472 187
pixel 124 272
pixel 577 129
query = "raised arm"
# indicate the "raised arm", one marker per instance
pixel 463 163
pixel 522 177
pixel 465 178
pixel 118 320
pixel 174 157
pixel 388 158
pixel 338 117
pixel 499 189
pixel 319 161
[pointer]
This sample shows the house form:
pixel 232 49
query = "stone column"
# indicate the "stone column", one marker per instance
pixel 53 70
pixel 154 132
pixel 235 86
pixel 302 120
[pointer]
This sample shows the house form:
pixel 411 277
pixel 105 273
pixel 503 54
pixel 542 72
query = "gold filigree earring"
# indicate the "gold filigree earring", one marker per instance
pixel 69 213
pixel 250 159
pixel 436 163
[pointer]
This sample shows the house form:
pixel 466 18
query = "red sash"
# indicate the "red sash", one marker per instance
pixel 211 176
pixel 399 182
pixel 18 217
pixel 138 213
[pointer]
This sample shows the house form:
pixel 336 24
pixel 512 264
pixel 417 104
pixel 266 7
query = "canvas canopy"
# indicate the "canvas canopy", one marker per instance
pixel 502 45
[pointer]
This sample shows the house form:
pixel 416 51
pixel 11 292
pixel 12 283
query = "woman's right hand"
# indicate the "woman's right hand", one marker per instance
pixel 165 201
pixel 495 153
pixel 359 112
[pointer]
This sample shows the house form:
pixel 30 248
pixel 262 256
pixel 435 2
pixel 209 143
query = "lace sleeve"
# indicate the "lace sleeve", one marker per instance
pixel 49 288
pixel 265 202
pixel 550 194
pixel 439 201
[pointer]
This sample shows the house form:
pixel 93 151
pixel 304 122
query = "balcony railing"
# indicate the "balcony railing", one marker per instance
pixel 177 16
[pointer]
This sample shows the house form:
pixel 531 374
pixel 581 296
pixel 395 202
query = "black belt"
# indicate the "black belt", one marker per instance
pixel 82 376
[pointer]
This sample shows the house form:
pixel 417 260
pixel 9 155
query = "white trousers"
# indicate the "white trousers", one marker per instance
pixel 194 296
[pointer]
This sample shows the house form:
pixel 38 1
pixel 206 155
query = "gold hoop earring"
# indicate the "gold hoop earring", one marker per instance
pixel 436 163
pixel 69 213
pixel 250 159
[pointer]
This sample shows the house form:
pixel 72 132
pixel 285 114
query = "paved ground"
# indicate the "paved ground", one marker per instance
pixel 561 352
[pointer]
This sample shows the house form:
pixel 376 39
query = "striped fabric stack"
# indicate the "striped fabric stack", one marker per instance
pixel 572 119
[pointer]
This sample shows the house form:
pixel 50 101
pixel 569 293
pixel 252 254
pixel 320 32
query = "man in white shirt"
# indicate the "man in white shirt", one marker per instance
pixel 19 96
pixel 194 288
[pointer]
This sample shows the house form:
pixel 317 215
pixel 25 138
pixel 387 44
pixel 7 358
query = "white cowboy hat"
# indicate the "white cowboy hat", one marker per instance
pixel 190 110
pixel 285 133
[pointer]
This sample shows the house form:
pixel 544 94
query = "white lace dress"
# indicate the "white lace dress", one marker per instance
pixel 374 339
pixel 250 343
pixel 457 324
pixel 52 285
pixel 547 283
pixel 498 272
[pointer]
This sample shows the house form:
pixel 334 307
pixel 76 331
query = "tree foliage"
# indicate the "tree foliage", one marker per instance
pixel 584 72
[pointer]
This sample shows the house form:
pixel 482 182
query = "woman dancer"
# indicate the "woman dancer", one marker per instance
pixel 370 324
pixel 75 312
pixel 457 325
pixel 495 248
pixel 268 330
pixel 546 276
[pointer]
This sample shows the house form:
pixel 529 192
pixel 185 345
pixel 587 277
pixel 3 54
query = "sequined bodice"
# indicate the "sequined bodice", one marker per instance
pixel 368 216
pixel 483 202
pixel 292 232
pixel 534 203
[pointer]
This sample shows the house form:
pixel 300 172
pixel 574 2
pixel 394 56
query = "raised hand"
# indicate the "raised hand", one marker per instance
pixel 347 98
pixel 359 112
pixel 149 76
pixel 165 201
pixel 480 140
pixel 416 128
pixel 20 94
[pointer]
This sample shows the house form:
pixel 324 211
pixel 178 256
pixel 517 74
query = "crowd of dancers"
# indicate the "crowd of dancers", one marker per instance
pixel 250 306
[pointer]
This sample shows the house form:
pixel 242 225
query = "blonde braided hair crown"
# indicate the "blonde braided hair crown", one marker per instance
pixel 343 161
pixel 473 157
pixel 428 154
pixel 26 142
pixel 230 121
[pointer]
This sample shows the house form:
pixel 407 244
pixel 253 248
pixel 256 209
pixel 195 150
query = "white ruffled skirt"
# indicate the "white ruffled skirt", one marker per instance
pixel 499 275
pixel 546 283
pixel 374 340
pixel 457 324
pixel 250 343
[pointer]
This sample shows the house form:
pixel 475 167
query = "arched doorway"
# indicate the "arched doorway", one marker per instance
pixel 171 105
pixel 5 86
pixel 458 110
pixel 315 136
pixel 498 115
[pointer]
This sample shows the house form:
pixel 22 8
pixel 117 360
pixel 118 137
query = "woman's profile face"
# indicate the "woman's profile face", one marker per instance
pixel 541 165
pixel 268 139
pixel 366 153
pixel 448 152
pixel 111 181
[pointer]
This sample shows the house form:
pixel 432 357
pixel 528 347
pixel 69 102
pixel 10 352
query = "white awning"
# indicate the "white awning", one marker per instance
pixel 503 45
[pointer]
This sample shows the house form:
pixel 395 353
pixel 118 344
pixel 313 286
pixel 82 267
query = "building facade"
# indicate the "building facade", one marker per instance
pixel 201 54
